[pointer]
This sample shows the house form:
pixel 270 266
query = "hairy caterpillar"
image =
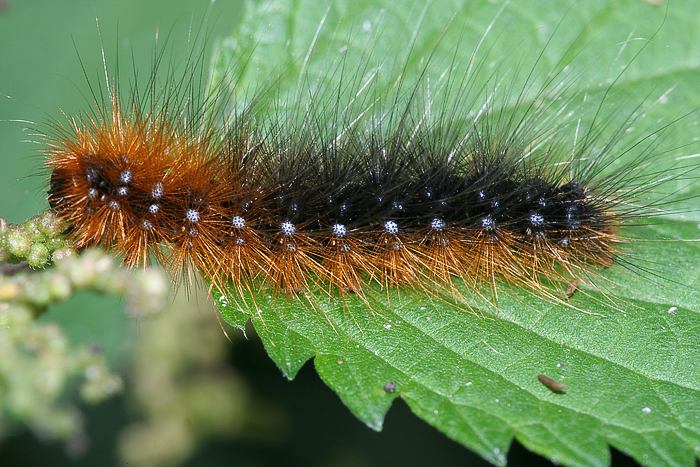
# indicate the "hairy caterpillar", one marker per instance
pixel 347 187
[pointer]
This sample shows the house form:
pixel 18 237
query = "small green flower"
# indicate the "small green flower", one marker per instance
pixel 38 255
pixel 18 242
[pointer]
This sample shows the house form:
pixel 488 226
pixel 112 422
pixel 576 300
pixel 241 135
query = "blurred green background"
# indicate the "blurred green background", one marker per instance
pixel 279 423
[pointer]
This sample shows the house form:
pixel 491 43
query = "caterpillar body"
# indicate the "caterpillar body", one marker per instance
pixel 343 198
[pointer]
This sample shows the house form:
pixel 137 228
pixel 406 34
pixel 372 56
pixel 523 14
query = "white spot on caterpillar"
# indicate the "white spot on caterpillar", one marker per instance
pixel 391 227
pixel 536 219
pixel 157 191
pixel 438 224
pixel 91 174
pixel 114 205
pixel 237 222
pixel 192 216
pixel 291 247
pixel 646 410
pixel 344 248
pixel 488 223
pixel 154 208
pixel 239 241
pixel 146 224
pixel 122 191
pixel 287 229
pixel 92 193
pixel 125 177
pixel 339 230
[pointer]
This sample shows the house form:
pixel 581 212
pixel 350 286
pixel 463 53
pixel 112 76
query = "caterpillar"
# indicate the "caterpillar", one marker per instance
pixel 347 188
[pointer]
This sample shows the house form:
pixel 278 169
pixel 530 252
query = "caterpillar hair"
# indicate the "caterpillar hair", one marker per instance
pixel 461 176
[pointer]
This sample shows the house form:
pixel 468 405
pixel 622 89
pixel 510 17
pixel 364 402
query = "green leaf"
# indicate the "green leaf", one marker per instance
pixel 629 360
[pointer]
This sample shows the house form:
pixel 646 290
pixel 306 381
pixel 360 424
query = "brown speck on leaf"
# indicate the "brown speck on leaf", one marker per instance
pixel 390 388
pixel 571 289
pixel 552 385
